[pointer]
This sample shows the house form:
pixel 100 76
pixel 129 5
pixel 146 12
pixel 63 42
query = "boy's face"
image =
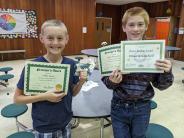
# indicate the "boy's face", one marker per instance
pixel 54 39
pixel 135 28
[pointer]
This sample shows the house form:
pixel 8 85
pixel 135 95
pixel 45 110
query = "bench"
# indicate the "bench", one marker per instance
pixel 11 51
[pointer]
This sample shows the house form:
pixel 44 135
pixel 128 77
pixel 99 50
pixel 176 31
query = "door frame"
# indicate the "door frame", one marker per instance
pixel 111 26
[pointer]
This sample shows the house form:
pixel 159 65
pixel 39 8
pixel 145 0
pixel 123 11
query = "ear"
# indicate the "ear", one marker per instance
pixel 41 38
pixel 123 27
pixel 67 39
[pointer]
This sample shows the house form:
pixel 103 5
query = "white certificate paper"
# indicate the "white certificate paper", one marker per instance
pixel 41 77
pixel 109 59
pixel 141 56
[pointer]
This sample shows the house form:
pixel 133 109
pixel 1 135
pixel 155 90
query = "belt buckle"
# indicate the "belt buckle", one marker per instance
pixel 127 104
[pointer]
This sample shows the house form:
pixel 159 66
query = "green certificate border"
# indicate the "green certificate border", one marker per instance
pixel 28 73
pixel 143 42
pixel 100 57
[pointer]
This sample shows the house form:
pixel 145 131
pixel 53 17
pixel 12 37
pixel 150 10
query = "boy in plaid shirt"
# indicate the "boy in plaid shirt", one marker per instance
pixel 130 107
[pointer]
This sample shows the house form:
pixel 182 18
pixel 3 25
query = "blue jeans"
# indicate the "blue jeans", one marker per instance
pixel 130 120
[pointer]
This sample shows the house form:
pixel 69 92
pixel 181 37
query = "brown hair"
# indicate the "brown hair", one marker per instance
pixel 134 12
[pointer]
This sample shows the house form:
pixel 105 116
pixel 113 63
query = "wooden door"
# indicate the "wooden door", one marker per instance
pixel 103 31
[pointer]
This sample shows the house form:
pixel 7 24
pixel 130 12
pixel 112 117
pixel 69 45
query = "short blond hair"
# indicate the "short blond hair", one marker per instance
pixel 53 22
pixel 134 12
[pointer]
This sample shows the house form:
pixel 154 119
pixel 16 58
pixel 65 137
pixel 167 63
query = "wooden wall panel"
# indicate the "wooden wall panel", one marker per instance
pixel 180 37
pixel 158 9
pixel 176 7
pixel 174 23
pixel 75 14
pixel 114 12
pixel 89 21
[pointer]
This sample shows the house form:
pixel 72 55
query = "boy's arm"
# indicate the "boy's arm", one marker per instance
pixel 20 97
pixel 114 80
pixel 77 87
pixel 164 80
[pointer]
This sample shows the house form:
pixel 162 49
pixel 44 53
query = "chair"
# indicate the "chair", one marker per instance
pixel 22 134
pixel 78 58
pixel 14 111
pixel 153 104
pixel 158 131
pixel 4 79
pixel 75 122
pixel 6 69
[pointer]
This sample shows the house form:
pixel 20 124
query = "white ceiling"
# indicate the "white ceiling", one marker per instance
pixel 122 2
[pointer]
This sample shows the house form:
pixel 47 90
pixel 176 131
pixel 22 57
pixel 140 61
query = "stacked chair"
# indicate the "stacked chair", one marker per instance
pixel 5 76
pixel 14 111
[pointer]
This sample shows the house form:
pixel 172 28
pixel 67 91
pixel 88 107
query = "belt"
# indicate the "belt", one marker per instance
pixel 130 102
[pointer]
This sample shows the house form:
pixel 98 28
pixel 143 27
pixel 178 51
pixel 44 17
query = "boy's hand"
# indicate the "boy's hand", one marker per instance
pixel 83 75
pixel 116 76
pixel 164 65
pixel 54 96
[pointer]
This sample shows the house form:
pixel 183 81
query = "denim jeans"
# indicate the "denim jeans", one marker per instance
pixel 130 120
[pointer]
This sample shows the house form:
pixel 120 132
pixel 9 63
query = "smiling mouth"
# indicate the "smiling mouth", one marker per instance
pixel 136 34
pixel 55 47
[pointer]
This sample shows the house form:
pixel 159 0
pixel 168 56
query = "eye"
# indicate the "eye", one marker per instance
pixel 50 38
pixel 131 25
pixel 141 24
pixel 60 38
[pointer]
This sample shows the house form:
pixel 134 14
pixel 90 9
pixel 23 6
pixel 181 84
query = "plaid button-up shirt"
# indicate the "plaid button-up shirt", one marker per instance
pixel 137 86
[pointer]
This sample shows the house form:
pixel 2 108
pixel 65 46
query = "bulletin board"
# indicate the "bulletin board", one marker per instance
pixel 18 24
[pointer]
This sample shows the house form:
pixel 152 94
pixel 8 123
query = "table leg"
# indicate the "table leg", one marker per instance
pixel 17 124
pixel 168 54
pixel 101 127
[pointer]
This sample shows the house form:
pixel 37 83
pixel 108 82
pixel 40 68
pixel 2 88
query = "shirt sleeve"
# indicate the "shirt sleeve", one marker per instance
pixel 109 84
pixel 163 80
pixel 20 83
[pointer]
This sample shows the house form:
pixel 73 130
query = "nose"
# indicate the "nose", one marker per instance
pixel 55 41
pixel 136 27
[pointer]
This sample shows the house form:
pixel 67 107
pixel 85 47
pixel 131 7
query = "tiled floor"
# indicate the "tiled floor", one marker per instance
pixel 169 113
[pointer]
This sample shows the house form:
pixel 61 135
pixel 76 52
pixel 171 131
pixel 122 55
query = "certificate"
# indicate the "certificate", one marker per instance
pixel 41 77
pixel 141 56
pixel 109 59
